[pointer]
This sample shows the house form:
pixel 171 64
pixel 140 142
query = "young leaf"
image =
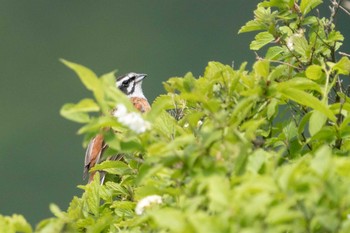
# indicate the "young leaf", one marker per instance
pixel 321 163
pixel 261 39
pixel 15 223
pixel 300 84
pixel 306 99
pixel 262 68
pixel 274 52
pixel 78 112
pixel 96 124
pixel 80 117
pixel 314 72
pixel 113 167
pixel 91 197
pixel 301 46
pixel 252 25
pixel 161 103
pixel 170 218
pixel 342 66
pixel 307 5
pixel 87 77
pixel 317 121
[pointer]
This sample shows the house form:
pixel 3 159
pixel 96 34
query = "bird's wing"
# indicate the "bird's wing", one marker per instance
pixel 93 153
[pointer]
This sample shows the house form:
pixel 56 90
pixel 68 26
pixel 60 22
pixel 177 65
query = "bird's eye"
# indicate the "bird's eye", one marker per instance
pixel 125 83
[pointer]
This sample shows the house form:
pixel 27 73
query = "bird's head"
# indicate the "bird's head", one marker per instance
pixel 131 84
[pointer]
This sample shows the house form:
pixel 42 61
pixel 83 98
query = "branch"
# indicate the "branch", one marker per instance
pixel 345 10
pixel 344 54
pixel 275 61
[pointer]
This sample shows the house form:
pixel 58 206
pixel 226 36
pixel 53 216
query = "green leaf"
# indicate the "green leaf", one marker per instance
pixel 256 161
pixel 321 163
pixel 87 77
pixel 161 103
pixel 261 39
pixel 118 189
pixel 252 25
pixel 262 17
pixel 97 124
pixel 58 212
pixel 300 84
pixel 213 68
pixel 205 222
pixel 278 3
pixel 290 131
pixel 171 219
pixel 80 117
pixel 165 125
pixel 306 99
pixel 145 171
pixel 21 224
pixel 74 209
pixel 326 135
pixel 113 167
pixel 278 72
pixel 51 225
pixel 307 5
pixel 109 75
pixel 301 46
pixel 303 122
pixel 274 52
pixel 314 72
pixel 91 197
pixel 262 68
pixel 342 66
pixel 317 121
pixel 78 112
pixel 15 223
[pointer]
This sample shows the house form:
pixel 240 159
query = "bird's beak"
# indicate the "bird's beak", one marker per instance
pixel 140 77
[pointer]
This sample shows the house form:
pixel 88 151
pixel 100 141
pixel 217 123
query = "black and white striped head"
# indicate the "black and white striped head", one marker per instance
pixel 131 84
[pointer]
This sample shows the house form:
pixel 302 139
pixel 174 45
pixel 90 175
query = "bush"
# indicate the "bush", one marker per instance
pixel 235 150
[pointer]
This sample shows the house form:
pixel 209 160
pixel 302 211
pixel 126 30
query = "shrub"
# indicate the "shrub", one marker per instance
pixel 235 150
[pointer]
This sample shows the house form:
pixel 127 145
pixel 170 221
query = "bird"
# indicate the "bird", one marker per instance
pixel 131 85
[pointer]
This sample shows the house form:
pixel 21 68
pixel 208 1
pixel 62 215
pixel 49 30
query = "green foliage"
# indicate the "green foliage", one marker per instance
pixel 15 223
pixel 234 150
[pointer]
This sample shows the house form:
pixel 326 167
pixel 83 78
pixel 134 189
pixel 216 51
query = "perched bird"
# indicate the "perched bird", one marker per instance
pixel 131 85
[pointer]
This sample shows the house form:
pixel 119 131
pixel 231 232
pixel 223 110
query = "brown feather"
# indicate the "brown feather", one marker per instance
pixel 140 104
pixel 93 154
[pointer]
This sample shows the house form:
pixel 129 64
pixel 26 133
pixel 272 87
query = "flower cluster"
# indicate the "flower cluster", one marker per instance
pixel 132 120
pixel 146 202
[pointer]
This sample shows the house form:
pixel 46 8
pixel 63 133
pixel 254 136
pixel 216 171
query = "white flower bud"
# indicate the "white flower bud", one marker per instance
pixel 147 202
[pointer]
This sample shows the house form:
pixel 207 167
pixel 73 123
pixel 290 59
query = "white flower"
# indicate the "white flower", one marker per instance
pixel 132 120
pixel 146 202
pixel 217 87
pixel 121 111
pixel 290 43
pixel 290 40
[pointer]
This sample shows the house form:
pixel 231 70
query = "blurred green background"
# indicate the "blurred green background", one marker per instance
pixel 41 157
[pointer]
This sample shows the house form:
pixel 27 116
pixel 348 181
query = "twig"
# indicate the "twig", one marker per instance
pixel 334 10
pixel 345 10
pixel 344 54
pixel 275 61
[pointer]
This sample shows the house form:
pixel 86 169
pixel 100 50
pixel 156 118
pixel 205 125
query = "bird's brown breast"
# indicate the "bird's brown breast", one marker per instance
pixel 140 104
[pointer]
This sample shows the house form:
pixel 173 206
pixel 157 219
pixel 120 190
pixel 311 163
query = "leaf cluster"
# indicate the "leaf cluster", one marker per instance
pixel 235 150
